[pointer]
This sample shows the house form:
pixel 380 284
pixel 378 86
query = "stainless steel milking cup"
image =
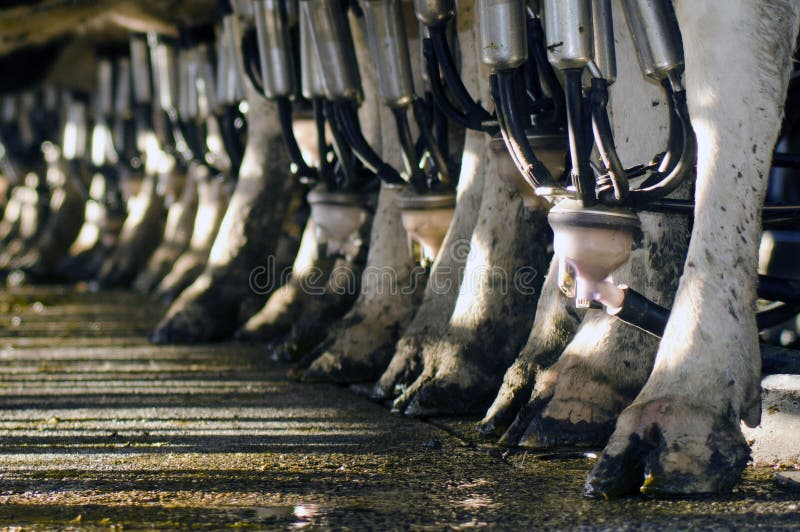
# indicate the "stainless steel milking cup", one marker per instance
pixel 568 31
pixel 333 42
pixel 310 75
pixel 162 58
pixel 605 59
pixel 388 44
pixel 504 40
pixel 104 98
pixel 656 38
pixel 275 48
pixel 140 69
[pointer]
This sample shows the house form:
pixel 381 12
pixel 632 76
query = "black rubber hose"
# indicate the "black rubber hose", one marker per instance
pixel 534 171
pixel 537 50
pixel 604 140
pixel 426 135
pixel 325 169
pixel 472 109
pixel 344 155
pixel 771 213
pixel 785 160
pixel 352 131
pixel 675 141
pixel 303 170
pixel 584 181
pixel 776 315
pixel 502 121
pixel 415 176
pixel 673 179
pixel 778 289
pixel 642 313
pixel 440 99
pixel 646 315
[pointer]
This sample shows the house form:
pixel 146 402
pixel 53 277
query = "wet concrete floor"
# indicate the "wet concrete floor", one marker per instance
pixel 99 430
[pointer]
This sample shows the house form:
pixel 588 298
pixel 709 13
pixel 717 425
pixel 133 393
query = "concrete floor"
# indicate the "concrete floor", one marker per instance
pixel 101 430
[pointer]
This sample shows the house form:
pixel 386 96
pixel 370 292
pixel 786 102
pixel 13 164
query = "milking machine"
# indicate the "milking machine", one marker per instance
pixel 427 206
pixel 532 51
pixel 437 17
pixel 230 91
pixel 21 160
pixel 104 205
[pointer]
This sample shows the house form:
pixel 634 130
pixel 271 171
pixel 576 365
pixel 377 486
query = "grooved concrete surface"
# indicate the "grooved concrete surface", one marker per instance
pixel 99 430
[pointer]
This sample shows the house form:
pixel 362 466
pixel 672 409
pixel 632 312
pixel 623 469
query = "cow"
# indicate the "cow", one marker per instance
pixel 490 313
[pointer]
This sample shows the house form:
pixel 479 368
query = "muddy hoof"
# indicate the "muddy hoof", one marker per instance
pixel 666 447
pixel 459 393
pixel 546 432
pixel 502 413
pixel 336 367
pixel 404 368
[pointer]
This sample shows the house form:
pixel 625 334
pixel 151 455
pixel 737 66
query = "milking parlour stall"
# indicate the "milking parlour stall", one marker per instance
pixel 395 264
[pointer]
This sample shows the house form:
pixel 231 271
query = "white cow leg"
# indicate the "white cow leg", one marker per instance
pixel 494 310
pixel 431 320
pixel 682 433
pixel 357 348
pixel 585 376
pixel 287 303
pixel 554 327
pixel 576 401
pixel 177 234
pixel 209 309
pixel 213 197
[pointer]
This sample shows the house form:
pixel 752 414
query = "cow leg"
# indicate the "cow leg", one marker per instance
pixel 358 347
pixel 177 233
pixel 213 196
pixel 577 399
pixel 494 310
pixel 287 303
pixel 140 235
pixel 431 320
pixel 209 309
pixel 554 326
pixel 310 334
pixel 682 433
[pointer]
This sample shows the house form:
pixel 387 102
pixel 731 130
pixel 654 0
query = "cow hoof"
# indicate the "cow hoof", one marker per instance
pixel 403 370
pixel 456 392
pixel 515 391
pixel 669 447
pixel 187 268
pixel 570 405
pixel 337 366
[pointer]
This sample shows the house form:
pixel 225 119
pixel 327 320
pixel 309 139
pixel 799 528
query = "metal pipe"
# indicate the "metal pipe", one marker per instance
pixel 162 59
pixel 503 29
pixel 605 57
pixel 310 75
pixel 104 97
pixel 140 68
pixel 275 48
pixel 388 44
pixel 569 34
pixel 656 37
pixel 334 46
